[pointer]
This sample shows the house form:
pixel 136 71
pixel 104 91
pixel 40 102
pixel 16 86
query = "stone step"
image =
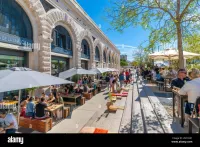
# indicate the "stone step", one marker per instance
pixel 165 119
pixel 125 126
pixel 137 120
pixel 151 122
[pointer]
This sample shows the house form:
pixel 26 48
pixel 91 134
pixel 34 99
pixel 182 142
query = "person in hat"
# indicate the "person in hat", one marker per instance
pixel 10 121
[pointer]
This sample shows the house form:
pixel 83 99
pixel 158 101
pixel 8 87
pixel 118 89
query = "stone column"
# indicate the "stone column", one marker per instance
pixel 78 60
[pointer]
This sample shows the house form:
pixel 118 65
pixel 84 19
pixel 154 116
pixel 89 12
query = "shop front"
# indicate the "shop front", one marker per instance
pixel 59 64
pixel 10 58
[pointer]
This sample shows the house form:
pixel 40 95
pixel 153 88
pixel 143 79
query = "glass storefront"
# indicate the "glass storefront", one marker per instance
pixel 7 62
pixel 9 58
pixel 58 65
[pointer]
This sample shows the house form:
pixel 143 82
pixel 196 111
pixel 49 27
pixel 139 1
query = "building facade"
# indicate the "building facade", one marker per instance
pixel 52 36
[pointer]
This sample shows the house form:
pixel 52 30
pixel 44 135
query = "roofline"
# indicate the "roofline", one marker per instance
pixel 92 22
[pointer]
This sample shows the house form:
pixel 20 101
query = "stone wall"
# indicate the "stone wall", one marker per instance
pixel 44 22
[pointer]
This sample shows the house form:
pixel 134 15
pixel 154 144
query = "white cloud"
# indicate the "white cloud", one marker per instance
pixel 127 50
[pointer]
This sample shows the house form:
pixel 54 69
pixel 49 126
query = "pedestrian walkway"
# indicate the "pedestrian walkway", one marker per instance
pixel 154 115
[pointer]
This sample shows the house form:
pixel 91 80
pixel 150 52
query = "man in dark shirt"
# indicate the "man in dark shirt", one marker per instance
pixel 40 109
pixel 181 79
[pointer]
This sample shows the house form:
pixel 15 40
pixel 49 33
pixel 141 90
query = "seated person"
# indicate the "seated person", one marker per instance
pixel 191 88
pixel 158 77
pixel 78 90
pixel 171 73
pixel 67 87
pixel 51 98
pixel 86 89
pixel 40 109
pixel 80 82
pixel 44 96
pixel 59 99
pixel 30 108
pixel 10 121
pixel 15 98
pixel 181 79
pixel 85 80
pixel 114 86
pixel 23 104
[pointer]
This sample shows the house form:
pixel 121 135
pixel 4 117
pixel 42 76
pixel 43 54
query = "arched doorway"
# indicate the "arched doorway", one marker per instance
pixel 85 54
pixel 16 32
pixel 61 44
pixel 97 56
pixel 16 38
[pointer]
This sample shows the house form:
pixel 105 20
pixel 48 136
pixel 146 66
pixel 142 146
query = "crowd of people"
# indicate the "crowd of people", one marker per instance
pixel 115 82
pixel 186 83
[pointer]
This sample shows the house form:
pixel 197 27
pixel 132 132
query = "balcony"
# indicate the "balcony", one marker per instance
pixel 85 56
pixel 61 50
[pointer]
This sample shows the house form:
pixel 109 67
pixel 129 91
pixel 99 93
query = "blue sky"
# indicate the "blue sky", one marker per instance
pixel 131 36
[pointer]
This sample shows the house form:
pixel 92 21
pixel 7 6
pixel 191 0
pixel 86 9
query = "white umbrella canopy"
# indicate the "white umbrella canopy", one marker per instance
pixel 75 71
pixel 110 69
pixel 99 70
pixel 21 78
pixel 171 54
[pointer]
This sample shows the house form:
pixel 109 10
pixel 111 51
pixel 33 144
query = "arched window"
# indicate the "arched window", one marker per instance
pixel 97 54
pixel 104 56
pixel 85 53
pixel 109 58
pixel 14 20
pixel 62 42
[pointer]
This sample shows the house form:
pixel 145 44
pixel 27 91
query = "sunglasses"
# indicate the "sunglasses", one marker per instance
pixel 184 72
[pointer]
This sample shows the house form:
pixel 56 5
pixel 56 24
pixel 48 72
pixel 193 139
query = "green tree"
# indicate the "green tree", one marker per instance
pixel 167 20
pixel 123 62
pixel 141 57
pixel 192 44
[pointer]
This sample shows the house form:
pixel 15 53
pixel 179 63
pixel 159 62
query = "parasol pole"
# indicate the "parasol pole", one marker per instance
pixel 18 111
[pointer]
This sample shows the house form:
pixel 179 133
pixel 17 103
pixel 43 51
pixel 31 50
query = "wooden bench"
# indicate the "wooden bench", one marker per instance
pixel 70 103
pixel 38 125
pixel 194 122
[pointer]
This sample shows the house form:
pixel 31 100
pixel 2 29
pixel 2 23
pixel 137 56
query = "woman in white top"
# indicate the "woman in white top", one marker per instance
pixel 192 89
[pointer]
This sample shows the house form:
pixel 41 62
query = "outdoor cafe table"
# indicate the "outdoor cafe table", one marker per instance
pixel 55 107
pixel 182 98
pixel 71 96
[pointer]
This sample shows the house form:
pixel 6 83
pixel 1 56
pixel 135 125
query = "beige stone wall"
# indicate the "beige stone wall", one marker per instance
pixel 43 23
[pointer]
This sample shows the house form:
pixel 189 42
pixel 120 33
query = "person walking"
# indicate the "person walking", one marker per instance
pixel 121 79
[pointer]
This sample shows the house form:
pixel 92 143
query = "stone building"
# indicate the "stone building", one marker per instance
pixel 52 36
